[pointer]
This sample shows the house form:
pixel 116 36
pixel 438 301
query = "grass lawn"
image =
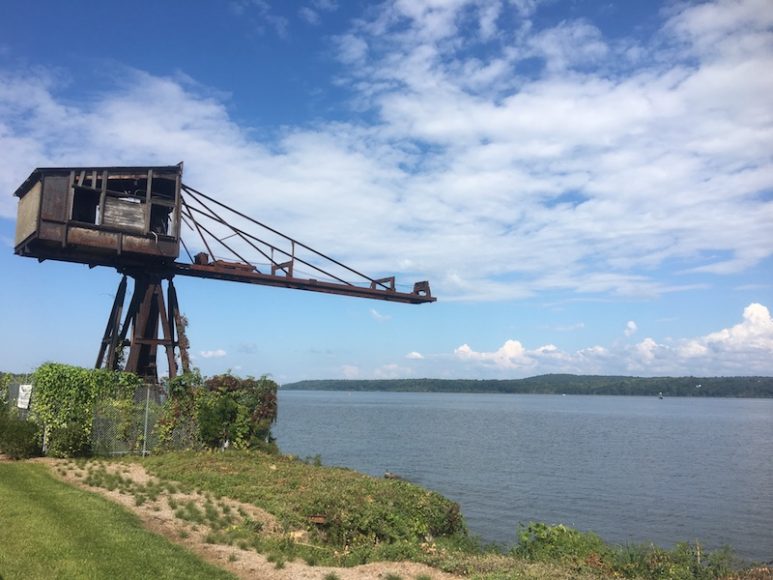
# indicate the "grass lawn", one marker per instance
pixel 51 530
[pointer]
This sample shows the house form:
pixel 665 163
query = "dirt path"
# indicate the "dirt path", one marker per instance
pixel 158 515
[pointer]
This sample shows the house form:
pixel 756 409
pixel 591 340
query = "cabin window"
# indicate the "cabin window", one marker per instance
pixel 84 206
pixel 159 219
pixel 123 202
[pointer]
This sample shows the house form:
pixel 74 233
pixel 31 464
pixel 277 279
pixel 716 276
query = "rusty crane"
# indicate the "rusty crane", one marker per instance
pixel 132 218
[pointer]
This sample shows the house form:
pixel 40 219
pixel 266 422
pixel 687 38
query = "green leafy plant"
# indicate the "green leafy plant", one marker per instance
pixel 224 408
pixel 19 439
pixel 71 440
pixel 64 400
pixel 540 541
pixel 683 561
pixel 240 411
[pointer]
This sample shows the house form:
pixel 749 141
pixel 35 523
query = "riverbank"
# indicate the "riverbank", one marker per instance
pixel 297 519
pixel 560 384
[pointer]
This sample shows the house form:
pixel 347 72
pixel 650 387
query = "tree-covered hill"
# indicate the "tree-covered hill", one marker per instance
pixel 561 384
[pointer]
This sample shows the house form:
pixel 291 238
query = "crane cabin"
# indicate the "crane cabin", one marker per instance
pixel 101 216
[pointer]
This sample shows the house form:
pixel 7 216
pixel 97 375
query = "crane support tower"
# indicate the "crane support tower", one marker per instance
pixel 133 219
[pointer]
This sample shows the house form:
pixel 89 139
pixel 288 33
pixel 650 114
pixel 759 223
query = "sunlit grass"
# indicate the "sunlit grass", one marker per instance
pixel 49 529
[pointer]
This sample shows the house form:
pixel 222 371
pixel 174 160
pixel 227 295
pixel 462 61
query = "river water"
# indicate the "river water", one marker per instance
pixel 631 469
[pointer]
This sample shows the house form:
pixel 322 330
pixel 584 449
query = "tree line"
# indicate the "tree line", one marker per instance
pixel 560 384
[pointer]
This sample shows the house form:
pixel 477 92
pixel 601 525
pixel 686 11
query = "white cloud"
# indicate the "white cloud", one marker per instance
pixel 350 371
pixel 511 355
pixel 630 328
pixel 743 349
pixel 569 327
pixel 753 334
pixel 569 44
pixel 311 13
pixel 491 177
pixel 261 16
pixel 217 353
pixel 392 371
pixel 376 315
pixel 414 355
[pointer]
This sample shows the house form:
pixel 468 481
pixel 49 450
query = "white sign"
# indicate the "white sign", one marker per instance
pixel 23 402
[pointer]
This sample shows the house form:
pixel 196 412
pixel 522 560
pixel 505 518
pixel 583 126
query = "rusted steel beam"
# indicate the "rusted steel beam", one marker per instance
pixel 112 330
pixel 148 314
pixel 420 295
pixel 179 325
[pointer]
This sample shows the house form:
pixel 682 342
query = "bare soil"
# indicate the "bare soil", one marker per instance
pixel 158 516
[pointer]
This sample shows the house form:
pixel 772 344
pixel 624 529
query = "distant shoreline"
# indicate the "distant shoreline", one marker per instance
pixel 560 384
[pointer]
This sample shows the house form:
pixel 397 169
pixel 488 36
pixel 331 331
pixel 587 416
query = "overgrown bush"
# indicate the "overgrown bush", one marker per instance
pixel 240 411
pixel 224 408
pixel 68 441
pixel 64 401
pixel 19 439
pixel 539 541
pixel 686 561
pixel 177 427
pixel 550 543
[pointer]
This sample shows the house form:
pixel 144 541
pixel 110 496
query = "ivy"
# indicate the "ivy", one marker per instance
pixel 64 399
pixel 177 427
pixel 223 408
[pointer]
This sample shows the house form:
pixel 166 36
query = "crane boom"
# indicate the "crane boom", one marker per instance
pixel 235 272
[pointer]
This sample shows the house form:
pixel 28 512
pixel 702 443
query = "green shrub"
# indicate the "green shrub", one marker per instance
pixel 222 408
pixel 69 441
pixel 685 561
pixel 19 439
pixel 65 398
pixel 539 541
pixel 240 411
pixel 403 512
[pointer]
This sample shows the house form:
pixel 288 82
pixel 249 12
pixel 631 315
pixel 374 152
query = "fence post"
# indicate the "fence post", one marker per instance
pixel 145 431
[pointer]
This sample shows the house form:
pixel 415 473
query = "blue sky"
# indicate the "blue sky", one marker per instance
pixel 587 185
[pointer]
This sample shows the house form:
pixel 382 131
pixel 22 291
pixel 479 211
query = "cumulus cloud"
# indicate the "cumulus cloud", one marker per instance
pixel 217 353
pixel 511 355
pixel 513 359
pixel 753 335
pixel 414 356
pixel 743 349
pixel 630 328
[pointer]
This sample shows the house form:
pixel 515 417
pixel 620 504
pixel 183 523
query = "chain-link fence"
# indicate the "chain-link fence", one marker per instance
pixel 120 427
pixel 12 397
pixel 126 427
